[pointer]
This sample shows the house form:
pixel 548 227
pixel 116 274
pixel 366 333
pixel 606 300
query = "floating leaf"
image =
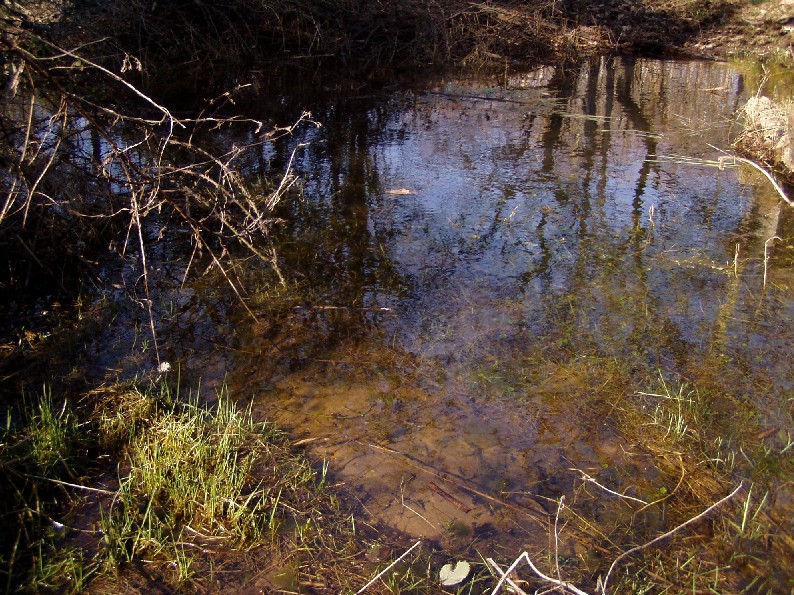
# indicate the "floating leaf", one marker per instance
pixel 454 575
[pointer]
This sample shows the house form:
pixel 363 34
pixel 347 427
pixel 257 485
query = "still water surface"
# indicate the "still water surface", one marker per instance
pixel 494 268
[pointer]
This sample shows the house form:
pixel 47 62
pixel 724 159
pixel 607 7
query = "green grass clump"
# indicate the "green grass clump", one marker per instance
pixel 153 489
pixel 50 435
pixel 190 478
pixel 39 449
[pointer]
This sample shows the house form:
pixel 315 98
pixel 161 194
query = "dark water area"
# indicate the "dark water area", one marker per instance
pixel 499 283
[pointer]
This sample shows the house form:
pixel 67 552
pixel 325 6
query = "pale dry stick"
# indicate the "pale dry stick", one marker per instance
pixel 694 519
pixel 276 268
pixel 111 74
pixel 557 539
pixel 389 567
pixel 167 116
pixel 769 177
pixel 76 486
pixel 503 575
pixel 402 501
pixel 586 477
pixel 45 169
pixel 736 262
pixel 10 197
pixel 216 261
pixel 684 160
pixel 766 255
pixel 287 180
pixel 227 178
pixel 514 565
pixel 137 219
pixel 227 174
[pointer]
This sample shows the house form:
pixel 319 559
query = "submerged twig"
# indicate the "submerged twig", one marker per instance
pixel 505 577
pixel 587 478
pixel 75 486
pixel 389 567
pixel 560 506
pixel 449 498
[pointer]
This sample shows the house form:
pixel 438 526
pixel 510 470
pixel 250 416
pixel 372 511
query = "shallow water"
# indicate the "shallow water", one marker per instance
pixel 492 268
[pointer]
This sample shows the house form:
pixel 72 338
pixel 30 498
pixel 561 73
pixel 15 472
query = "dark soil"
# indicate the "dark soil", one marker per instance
pixel 708 28
pixel 204 36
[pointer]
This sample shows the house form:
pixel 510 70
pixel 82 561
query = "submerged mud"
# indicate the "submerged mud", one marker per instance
pixel 493 271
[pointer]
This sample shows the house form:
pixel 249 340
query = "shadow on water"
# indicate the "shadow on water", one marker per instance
pixel 493 284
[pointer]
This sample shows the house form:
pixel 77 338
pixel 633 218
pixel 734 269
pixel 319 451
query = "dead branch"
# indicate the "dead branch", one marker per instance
pixel 143 164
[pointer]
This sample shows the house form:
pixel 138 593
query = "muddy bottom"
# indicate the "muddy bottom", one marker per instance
pixel 504 285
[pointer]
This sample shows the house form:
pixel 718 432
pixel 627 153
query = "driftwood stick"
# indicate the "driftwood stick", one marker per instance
pixel 553 581
pixel 769 177
pixel 506 578
pixel 76 486
pixel 586 477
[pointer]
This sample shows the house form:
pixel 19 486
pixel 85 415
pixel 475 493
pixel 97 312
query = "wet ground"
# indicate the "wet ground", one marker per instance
pixel 490 270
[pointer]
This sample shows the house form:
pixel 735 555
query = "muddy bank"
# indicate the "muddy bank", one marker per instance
pixel 183 46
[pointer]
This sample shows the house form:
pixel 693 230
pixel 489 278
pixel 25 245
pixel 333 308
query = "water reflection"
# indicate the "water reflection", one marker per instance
pixel 550 256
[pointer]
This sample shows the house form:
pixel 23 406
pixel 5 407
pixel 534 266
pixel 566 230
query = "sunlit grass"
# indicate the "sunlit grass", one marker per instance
pixel 51 429
pixel 195 483
pixel 677 410
pixel 191 486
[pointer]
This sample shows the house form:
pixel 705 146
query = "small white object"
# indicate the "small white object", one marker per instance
pixel 454 575
pixel 164 367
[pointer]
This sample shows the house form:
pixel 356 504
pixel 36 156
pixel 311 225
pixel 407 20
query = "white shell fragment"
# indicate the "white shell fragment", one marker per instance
pixel 451 576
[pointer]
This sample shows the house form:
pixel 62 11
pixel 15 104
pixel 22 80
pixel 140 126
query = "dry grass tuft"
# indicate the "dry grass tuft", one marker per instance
pixel 768 134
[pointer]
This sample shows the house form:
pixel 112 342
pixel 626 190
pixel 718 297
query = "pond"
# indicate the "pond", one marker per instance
pixel 509 284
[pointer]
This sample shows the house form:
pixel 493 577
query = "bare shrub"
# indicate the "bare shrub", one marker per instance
pixel 80 174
